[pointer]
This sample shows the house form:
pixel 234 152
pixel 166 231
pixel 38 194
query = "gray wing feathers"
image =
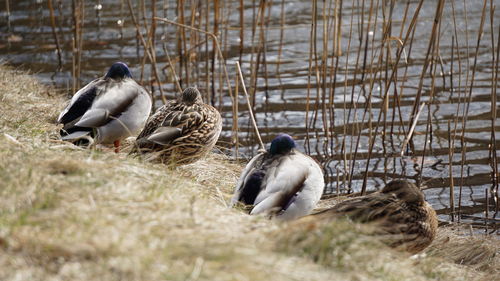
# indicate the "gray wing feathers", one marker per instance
pixel 94 118
pixel 118 98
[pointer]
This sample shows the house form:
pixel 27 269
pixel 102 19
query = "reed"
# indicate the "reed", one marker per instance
pixel 252 117
pixel 493 147
pixel 78 13
pixel 54 33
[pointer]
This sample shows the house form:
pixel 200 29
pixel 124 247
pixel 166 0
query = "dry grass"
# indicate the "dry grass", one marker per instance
pixel 73 214
pixel 456 245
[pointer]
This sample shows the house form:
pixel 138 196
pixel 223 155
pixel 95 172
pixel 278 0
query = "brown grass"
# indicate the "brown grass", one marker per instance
pixel 455 244
pixel 75 214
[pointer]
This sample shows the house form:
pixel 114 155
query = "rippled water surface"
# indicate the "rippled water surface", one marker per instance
pixel 336 85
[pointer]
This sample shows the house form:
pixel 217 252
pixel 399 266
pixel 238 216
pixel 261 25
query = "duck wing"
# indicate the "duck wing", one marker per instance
pixel 80 102
pixel 174 121
pixel 250 182
pixel 113 99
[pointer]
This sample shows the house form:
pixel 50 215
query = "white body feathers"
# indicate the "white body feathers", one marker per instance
pixel 291 184
pixel 116 109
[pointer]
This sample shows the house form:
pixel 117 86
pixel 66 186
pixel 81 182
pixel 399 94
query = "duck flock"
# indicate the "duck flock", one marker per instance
pixel 281 183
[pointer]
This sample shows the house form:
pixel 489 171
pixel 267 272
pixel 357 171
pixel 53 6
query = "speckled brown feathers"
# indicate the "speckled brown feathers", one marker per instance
pixel 188 129
pixel 399 213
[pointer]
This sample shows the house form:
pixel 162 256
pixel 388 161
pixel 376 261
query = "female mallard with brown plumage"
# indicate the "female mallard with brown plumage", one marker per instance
pixel 399 212
pixel 182 131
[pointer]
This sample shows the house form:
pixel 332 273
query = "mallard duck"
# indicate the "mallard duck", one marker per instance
pixel 399 212
pixel 282 182
pixel 182 131
pixel 107 109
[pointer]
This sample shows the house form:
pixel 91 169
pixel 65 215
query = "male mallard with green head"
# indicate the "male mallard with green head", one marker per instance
pixel 182 131
pixel 282 183
pixel 399 212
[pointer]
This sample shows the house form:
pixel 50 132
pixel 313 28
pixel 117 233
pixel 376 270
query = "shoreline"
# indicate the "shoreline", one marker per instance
pixel 78 214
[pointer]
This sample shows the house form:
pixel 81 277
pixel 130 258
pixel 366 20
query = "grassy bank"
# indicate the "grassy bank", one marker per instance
pixel 68 213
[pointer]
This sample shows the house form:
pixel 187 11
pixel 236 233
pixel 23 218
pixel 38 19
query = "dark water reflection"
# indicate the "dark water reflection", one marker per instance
pixel 346 93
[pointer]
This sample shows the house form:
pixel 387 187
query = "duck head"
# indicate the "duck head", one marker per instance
pixel 406 191
pixel 191 95
pixel 282 144
pixel 118 70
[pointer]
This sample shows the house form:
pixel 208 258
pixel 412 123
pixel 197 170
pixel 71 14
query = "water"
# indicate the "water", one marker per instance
pixel 346 93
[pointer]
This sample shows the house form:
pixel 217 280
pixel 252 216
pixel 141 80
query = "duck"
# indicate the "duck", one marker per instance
pixel 182 131
pixel 281 183
pixel 106 110
pixel 398 212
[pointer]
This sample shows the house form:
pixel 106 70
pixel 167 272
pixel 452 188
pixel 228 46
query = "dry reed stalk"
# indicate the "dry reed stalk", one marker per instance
pixel 322 83
pixel 151 41
pixel 77 12
pixel 398 95
pixel 264 31
pixel 486 209
pixel 347 176
pixel 355 128
pixel 252 51
pixel 450 166
pixel 225 23
pixel 282 36
pixel 383 111
pixel 427 62
pixel 332 75
pixel 433 68
pixel 167 55
pixel 312 50
pixel 54 32
pixel 452 92
pixel 242 27
pixel 252 117
pixel 215 42
pixel 469 99
pixel 208 74
pixel 141 14
pixel 368 109
pixel 338 36
pixel 412 129
pixel 235 129
pixel 255 67
pixel 197 21
pixel 494 84
pixel 148 51
pixel 181 36
pixel 462 139
pixel 80 39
